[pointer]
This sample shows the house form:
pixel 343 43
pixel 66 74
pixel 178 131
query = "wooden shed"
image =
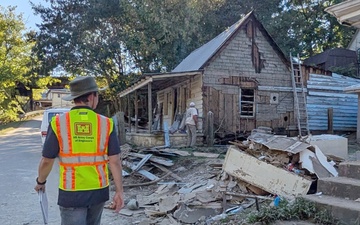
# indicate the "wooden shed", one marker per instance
pixel 241 76
pixel 333 58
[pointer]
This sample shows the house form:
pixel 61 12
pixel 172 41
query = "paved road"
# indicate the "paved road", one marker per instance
pixel 20 153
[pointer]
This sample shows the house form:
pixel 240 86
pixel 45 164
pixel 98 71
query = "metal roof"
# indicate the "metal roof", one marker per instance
pixel 347 12
pixel 200 56
pixel 159 81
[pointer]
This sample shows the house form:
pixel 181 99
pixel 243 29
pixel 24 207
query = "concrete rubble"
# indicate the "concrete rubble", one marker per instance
pixel 254 170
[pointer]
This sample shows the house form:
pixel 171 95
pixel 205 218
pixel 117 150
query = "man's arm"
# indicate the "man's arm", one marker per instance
pixel 49 153
pixel 195 116
pixel 44 170
pixel 116 171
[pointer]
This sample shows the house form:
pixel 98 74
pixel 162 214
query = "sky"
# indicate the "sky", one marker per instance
pixel 23 6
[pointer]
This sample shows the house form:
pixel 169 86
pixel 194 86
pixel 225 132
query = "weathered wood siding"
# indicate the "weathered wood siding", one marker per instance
pixel 176 99
pixel 224 103
pixel 326 92
pixel 235 60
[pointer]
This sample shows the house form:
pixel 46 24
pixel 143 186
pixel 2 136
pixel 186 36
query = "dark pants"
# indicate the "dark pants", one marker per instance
pixel 90 215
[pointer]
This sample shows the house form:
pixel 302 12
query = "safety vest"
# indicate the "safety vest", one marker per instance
pixel 83 137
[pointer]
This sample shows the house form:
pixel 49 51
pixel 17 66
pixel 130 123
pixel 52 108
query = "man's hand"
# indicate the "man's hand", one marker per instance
pixel 45 167
pixel 118 201
pixel 116 171
pixel 39 187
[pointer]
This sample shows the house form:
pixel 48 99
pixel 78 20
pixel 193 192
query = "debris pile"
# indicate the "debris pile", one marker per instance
pixel 255 170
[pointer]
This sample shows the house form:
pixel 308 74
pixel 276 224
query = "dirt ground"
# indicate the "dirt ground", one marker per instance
pixel 192 170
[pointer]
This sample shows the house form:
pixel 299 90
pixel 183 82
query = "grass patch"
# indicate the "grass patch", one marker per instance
pixel 300 209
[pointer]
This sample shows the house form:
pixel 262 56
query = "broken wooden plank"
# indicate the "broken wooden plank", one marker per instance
pixel 144 173
pixel 206 154
pixel 263 175
pixel 249 196
pixel 175 151
pixel 210 205
pixel 188 188
pixel 142 162
pixel 159 160
pixel 156 151
pixel 167 171
pixel 147 183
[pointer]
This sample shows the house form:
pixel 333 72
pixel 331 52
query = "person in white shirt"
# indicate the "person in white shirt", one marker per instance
pixel 191 123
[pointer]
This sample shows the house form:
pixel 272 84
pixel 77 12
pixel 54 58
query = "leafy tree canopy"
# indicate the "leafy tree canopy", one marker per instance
pixel 112 38
pixel 17 66
pixel 15 56
pixel 303 27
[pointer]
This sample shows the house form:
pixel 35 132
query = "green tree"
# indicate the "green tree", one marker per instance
pixel 15 56
pixel 85 38
pixel 113 38
pixel 304 27
pixel 159 34
pixel 225 13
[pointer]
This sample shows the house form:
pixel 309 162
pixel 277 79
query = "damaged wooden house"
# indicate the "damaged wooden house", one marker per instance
pixel 241 77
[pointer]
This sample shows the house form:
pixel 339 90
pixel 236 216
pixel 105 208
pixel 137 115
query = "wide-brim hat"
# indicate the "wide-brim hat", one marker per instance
pixel 81 86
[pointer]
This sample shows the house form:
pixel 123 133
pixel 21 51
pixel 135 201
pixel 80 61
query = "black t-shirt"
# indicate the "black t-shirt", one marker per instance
pixel 79 198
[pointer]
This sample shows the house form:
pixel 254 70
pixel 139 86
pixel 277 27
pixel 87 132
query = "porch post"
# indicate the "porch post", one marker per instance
pixel 136 111
pixel 129 112
pixel 149 107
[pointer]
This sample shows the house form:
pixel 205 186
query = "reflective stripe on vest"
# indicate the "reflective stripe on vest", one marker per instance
pixel 83 139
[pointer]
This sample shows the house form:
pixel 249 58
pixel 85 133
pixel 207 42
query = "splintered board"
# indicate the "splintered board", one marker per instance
pixel 264 175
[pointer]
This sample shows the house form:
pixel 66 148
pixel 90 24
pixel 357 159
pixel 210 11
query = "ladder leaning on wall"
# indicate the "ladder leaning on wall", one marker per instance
pixel 299 98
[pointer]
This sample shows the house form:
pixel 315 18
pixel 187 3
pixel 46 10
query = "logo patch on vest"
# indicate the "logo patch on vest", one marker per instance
pixel 83 129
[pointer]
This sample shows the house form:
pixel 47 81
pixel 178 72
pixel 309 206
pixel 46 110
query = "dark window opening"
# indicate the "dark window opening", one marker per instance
pixel 247 103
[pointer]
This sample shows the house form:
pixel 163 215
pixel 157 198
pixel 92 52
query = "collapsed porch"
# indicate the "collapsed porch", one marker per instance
pixel 154 108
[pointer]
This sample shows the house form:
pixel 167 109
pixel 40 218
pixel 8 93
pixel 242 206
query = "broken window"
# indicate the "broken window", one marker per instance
pixel 247 103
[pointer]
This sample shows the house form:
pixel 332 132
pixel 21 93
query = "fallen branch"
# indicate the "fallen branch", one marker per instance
pixel 148 183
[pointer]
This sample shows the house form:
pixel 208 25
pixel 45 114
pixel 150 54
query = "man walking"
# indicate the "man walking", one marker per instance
pixel 84 142
pixel 191 123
